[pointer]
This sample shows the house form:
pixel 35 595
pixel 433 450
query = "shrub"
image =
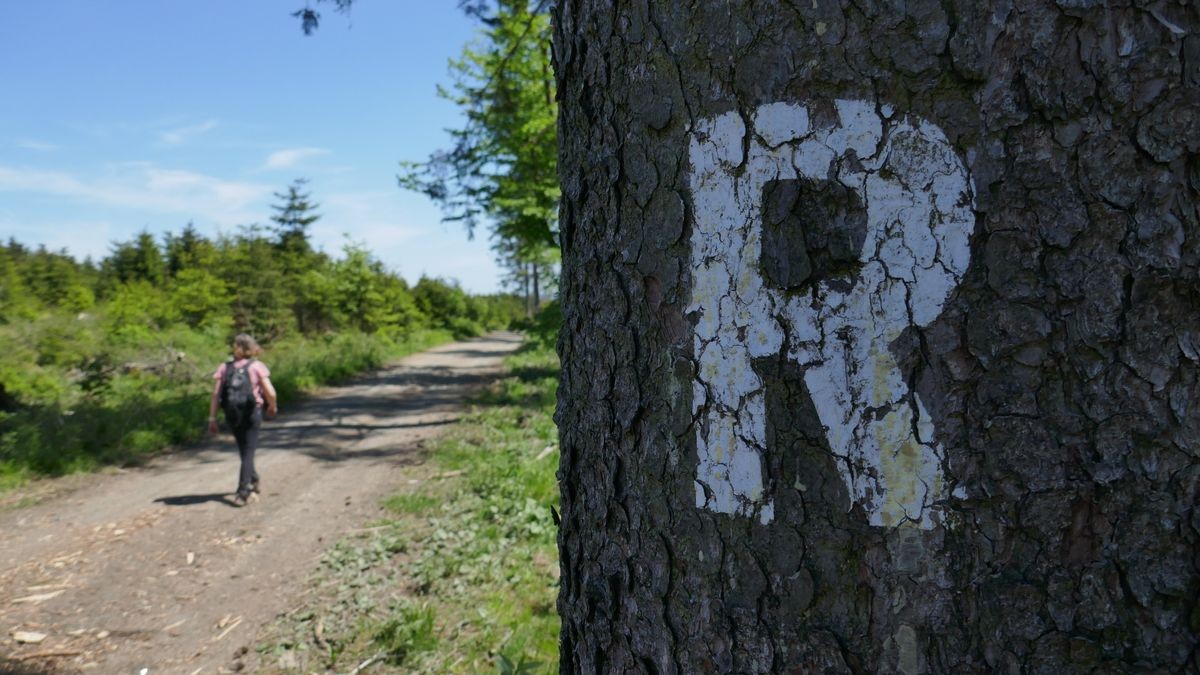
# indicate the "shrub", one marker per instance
pixel 409 629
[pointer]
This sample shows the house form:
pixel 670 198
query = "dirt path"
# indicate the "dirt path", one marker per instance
pixel 154 568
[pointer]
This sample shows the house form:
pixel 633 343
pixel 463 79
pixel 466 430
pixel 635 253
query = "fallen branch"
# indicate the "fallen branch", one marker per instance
pixel 233 625
pixel 40 597
pixel 47 654
pixel 366 664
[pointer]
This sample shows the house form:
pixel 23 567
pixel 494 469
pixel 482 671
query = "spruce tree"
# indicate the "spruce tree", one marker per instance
pixel 293 216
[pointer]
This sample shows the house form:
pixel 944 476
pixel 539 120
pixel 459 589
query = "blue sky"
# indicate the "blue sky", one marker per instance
pixel 146 114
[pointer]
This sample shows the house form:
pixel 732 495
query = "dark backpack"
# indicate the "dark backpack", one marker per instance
pixel 237 395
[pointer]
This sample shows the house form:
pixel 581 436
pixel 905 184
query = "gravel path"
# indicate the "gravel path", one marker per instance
pixel 155 568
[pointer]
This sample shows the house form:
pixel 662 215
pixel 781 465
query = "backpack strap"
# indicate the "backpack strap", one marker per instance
pixel 249 374
pixel 225 378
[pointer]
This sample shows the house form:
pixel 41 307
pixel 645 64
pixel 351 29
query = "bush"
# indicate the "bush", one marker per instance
pixel 543 330
pixel 463 328
pixel 201 298
pixel 407 631
pixel 135 312
pixel 440 301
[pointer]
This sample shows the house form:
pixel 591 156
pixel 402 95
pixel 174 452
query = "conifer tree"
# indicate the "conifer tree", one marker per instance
pixel 293 216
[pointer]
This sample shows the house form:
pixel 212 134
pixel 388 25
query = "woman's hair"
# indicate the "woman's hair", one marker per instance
pixel 245 346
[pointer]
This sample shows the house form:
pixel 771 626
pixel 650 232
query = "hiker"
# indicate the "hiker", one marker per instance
pixel 242 384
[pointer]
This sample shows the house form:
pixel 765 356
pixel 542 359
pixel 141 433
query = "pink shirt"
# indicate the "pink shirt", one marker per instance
pixel 258 373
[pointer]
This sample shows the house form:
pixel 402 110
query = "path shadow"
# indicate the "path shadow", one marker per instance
pixel 434 377
pixel 299 428
pixel 14 666
pixel 192 500
pixel 395 456
pixel 473 353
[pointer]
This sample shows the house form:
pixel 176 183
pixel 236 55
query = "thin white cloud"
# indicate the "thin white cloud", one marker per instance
pixel 371 218
pixel 144 186
pixel 402 231
pixel 32 144
pixel 286 159
pixel 181 135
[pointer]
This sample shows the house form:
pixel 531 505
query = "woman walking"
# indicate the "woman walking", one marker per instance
pixel 243 384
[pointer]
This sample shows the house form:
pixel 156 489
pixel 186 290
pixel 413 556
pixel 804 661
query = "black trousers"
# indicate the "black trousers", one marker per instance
pixel 247 442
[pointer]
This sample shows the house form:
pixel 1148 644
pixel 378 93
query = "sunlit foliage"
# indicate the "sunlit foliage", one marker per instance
pixel 501 170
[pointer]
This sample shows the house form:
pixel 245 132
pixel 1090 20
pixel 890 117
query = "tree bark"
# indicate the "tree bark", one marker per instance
pixel 537 293
pixel 526 278
pixel 881 336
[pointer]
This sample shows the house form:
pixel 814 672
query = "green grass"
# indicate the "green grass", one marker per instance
pixel 121 415
pixel 407 632
pixel 462 576
pixel 411 504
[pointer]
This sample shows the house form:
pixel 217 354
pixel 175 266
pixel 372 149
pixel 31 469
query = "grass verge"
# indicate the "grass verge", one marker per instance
pixel 462 574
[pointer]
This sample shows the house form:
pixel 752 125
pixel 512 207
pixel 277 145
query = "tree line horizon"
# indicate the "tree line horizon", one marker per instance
pixel 268 281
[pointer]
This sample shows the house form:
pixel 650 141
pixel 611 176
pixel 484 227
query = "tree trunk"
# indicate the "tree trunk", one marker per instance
pixel 537 294
pixel 525 278
pixel 881 333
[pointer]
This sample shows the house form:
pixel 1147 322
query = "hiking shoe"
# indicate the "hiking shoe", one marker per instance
pixel 244 498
